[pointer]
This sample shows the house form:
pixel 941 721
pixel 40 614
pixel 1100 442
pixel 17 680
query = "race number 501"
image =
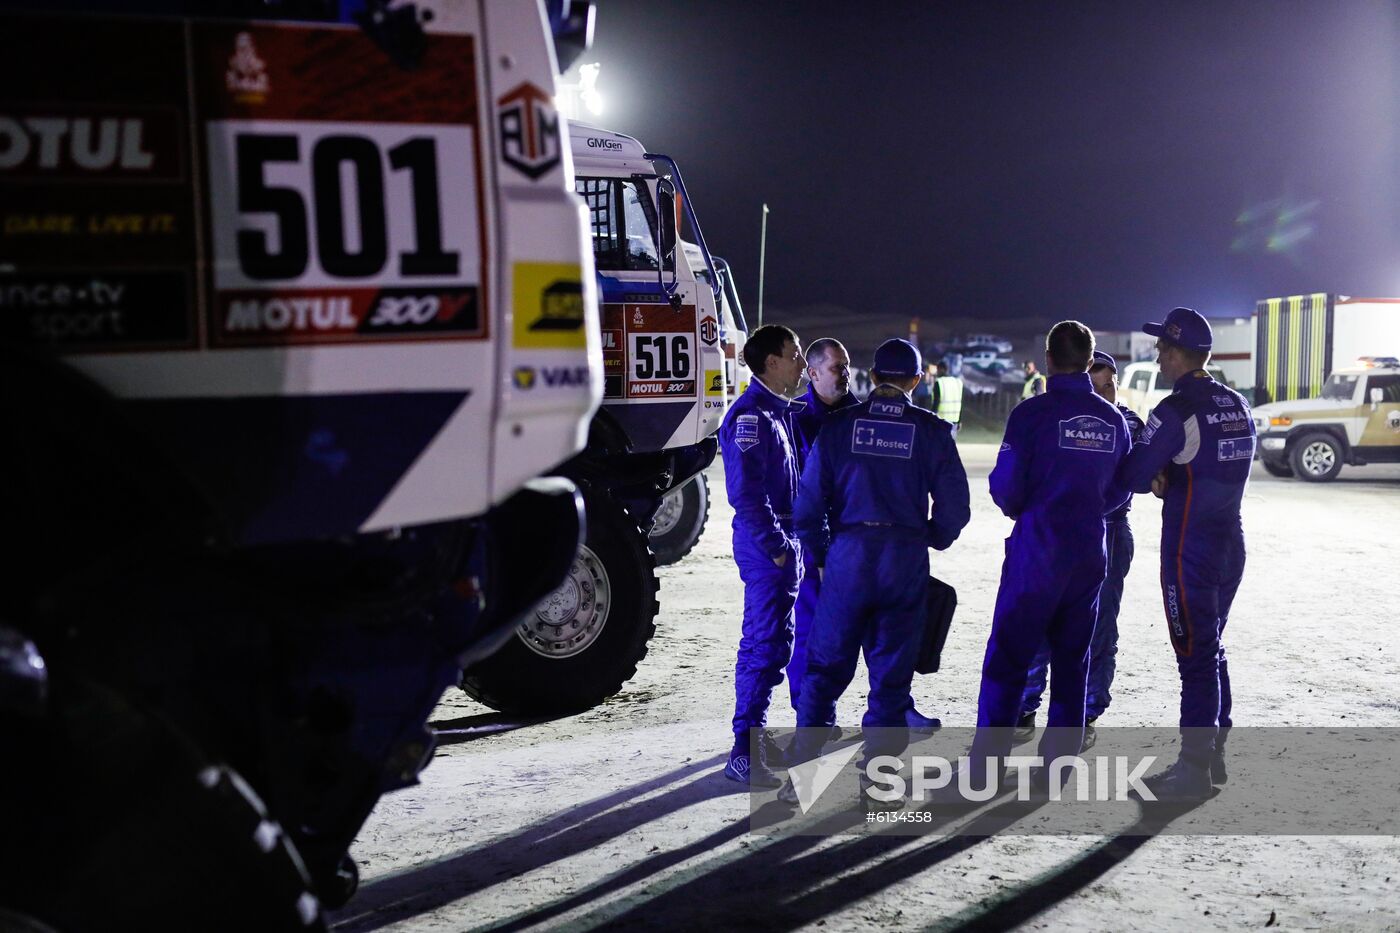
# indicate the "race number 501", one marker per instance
pixel 315 204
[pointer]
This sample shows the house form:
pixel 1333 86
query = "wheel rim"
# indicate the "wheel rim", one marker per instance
pixel 669 515
pixel 572 617
pixel 1319 458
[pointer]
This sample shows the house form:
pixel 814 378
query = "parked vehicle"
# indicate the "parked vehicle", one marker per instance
pixel 1354 420
pixel 1141 386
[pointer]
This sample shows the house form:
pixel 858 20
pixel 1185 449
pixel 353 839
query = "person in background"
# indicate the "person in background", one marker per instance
pixel 760 476
pixel 1035 382
pixel 1103 647
pixel 947 397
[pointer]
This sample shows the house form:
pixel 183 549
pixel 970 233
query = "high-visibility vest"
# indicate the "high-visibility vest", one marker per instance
pixel 950 393
pixel 1035 385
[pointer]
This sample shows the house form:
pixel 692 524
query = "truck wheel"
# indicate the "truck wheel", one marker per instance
pixel 1276 467
pixel 585 639
pixel 1316 458
pixel 680 521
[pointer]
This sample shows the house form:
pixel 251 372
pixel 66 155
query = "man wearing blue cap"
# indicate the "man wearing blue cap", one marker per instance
pixel 1195 452
pixel 1053 473
pixel 828 391
pixel 863 510
pixel 1118 541
pixel 760 477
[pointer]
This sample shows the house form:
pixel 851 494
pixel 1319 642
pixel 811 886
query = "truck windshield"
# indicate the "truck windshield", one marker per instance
pixel 1340 388
pixel 623 220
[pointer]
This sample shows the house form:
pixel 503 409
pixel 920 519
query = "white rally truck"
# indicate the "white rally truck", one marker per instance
pixel 664 396
pixel 266 292
pixel 684 512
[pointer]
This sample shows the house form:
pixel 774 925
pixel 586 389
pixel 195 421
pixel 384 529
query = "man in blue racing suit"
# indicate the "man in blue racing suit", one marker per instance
pixel 760 476
pixel 1196 451
pixel 1103 647
pixel 1057 461
pixel 863 510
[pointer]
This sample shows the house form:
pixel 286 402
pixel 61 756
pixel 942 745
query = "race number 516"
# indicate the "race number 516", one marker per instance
pixel 316 204
pixel 661 356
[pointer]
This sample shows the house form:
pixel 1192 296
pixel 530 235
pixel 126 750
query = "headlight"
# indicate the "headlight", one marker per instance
pixel 1273 443
pixel 1280 421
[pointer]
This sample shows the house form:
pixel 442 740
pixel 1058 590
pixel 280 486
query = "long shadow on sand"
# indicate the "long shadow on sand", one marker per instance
pixel 771 886
pixel 481 726
pixel 587 826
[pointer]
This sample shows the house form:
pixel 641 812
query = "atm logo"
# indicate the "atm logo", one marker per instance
pixel 529 127
pixel 709 330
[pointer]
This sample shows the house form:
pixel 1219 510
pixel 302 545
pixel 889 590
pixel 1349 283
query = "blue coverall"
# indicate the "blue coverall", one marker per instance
pixel 864 512
pixel 1103 647
pixel 808 415
pixel 760 476
pixel 1203 436
pixel 1053 473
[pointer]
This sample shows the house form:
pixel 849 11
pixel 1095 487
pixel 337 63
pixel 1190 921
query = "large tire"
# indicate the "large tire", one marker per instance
pixel 583 641
pixel 1316 458
pixel 680 521
pixel 1279 468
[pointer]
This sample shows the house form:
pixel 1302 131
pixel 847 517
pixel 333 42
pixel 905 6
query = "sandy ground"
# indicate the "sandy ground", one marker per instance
pixel 620 817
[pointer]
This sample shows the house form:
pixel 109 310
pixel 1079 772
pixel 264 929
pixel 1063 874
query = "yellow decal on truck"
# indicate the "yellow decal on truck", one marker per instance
pixel 548 306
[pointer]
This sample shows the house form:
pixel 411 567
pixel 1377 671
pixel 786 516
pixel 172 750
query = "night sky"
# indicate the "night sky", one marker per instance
pixel 1104 161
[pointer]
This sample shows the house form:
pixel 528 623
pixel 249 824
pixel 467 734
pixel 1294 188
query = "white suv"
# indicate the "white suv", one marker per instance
pixel 1141 386
pixel 1356 420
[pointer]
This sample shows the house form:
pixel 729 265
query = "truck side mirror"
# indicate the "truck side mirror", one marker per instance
pixel 666 210
pixel 1377 396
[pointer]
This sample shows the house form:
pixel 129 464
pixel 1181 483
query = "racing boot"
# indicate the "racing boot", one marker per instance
pixel 749 769
pixel 1025 729
pixel 919 722
pixel 1218 774
pixel 1090 736
pixel 873 804
pixel 1183 782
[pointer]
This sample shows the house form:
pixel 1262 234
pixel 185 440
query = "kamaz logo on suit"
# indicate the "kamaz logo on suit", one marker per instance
pixel 1174 611
pixel 529 127
pixel 1088 433
pixel 1229 420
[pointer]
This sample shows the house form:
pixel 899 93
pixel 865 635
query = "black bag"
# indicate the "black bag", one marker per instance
pixel 940 601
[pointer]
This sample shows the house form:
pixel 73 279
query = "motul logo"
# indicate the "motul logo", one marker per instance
pixel 84 143
pixel 292 314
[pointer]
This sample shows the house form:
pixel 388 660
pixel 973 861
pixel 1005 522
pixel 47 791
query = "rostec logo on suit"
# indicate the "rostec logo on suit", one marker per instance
pixel 746 431
pixel 529 130
pixel 883 438
pixel 1235 448
pixel 1088 433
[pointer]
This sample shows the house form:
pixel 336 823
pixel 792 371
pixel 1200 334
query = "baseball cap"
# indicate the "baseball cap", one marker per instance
pixel 1104 359
pixel 1184 327
pixel 896 357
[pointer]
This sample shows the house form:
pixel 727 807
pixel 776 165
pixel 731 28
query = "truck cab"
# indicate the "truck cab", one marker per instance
pixel 664 397
pixel 1354 421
